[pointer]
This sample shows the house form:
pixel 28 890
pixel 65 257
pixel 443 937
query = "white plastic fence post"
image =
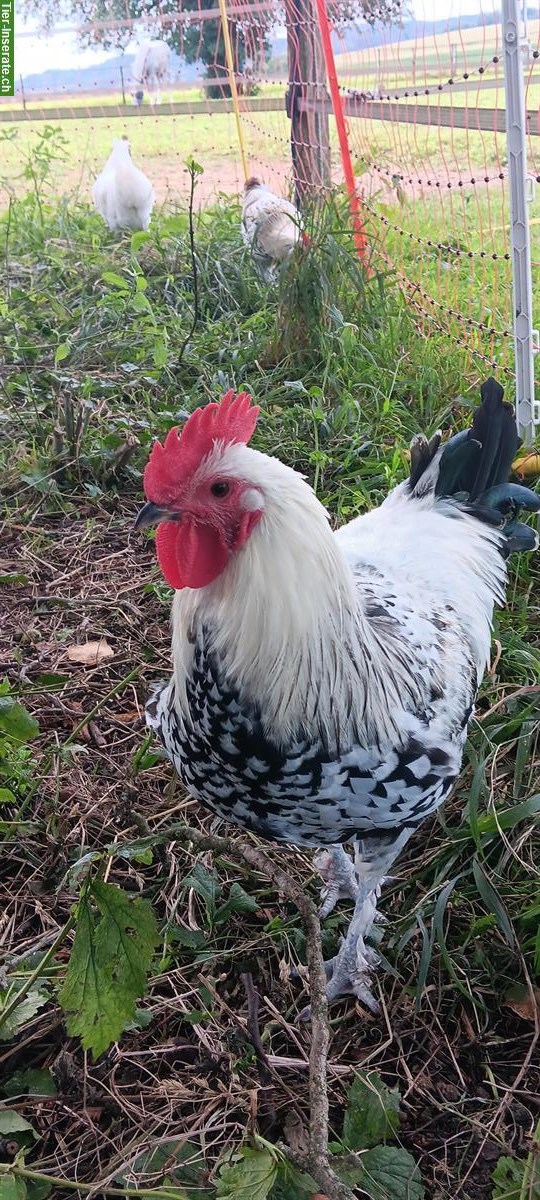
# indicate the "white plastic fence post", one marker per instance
pixel 525 337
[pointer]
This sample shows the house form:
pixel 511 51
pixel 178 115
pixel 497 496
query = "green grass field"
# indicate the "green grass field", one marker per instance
pixel 473 47
pixel 429 214
pixel 105 341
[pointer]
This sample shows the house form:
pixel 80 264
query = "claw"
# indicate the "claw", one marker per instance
pixel 350 980
pixel 349 972
pixel 339 877
pixel 360 989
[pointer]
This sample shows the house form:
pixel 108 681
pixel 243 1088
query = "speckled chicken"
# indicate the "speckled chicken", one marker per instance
pixel 271 227
pixel 323 682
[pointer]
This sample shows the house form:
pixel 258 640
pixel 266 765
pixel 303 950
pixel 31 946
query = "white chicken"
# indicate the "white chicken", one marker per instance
pixel 323 682
pixel 122 194
pixel 271 228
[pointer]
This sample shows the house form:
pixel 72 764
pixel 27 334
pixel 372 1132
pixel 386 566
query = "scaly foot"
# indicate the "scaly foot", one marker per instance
pixel 339 877
pixel 349 974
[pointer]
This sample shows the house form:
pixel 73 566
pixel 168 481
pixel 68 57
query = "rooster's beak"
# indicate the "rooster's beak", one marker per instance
pixel 152 514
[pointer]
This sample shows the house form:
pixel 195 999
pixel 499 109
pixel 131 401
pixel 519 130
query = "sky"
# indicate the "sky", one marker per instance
pixel 33 52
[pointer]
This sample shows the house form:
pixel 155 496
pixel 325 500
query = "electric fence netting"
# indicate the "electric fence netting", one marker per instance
pixel 408 113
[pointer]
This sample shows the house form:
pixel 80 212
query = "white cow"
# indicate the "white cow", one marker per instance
pixel 151 71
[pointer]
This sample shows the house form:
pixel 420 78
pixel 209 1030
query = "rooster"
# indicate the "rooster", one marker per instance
pixel 122 194
pixel 323 682
pixel 271 227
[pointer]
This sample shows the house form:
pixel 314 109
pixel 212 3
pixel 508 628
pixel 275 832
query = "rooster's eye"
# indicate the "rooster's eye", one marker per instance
pixel 221 488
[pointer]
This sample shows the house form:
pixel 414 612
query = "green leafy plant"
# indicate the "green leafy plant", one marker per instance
pixel 364 1158
pixel 37 161
pixel 22 1006
pixel 519 1178
pixel 17 728
pixel 107 973
pixel 262 1172
pixel 217 911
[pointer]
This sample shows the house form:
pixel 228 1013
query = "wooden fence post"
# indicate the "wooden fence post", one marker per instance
pixel 338 108
pixel 122 85
pixel 306 101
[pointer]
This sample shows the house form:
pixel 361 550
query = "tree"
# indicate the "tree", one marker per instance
pixel 111 23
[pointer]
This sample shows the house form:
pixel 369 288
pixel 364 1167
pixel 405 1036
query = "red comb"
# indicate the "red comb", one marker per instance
pixel 231 420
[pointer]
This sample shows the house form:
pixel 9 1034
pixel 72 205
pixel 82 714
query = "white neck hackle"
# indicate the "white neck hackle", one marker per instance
pixel 285 618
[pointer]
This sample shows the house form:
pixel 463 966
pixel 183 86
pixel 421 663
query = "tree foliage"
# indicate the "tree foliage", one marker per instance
pixel 111 24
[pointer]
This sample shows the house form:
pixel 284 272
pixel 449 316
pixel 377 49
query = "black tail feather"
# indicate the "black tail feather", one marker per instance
pixel 495 428
pixel 474 469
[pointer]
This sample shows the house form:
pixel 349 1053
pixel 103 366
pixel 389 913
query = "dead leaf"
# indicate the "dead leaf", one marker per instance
pixel 127 718
pixel 90 654
pixel 285 970
pixel 524 1004
pixel 91 733
pixel 296 1134
pixel 528 465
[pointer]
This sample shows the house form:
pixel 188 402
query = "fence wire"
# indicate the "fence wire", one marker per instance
pixel 431 152
pixel 424 104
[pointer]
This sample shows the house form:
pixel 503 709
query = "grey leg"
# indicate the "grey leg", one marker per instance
pixel 355 961
pixel 339 877
pixel 349 972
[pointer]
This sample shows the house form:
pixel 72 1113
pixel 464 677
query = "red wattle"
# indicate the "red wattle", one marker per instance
pixel 190 555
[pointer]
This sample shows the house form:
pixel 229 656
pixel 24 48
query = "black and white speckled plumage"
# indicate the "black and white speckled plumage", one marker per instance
pixel 323 682
pixel 313 792
pixel 375 743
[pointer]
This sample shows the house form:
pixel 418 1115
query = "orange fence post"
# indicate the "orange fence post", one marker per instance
pixel 359 232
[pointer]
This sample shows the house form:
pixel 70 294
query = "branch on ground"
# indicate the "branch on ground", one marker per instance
pixel 317 1160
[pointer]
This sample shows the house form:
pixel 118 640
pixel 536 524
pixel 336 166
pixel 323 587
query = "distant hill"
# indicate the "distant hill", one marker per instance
pixel 106 76
pixel 102 77
pixel 361 37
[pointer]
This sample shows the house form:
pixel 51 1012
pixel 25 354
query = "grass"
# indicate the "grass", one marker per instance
pixel 440 225
pixel 94 367
pixel 473 47
pixel 463 275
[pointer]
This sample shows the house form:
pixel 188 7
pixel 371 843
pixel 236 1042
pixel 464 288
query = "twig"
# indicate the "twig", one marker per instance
pixel 252 996
pixel 41 967
pixel 316 1162
pixel 332 1187
pixel 121 457
pixel 192 174
pixel 13 1169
